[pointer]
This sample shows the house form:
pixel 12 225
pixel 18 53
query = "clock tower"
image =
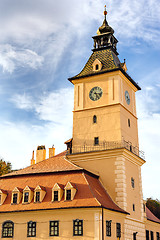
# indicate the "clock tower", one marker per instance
pixel 105 131
pixel 104 98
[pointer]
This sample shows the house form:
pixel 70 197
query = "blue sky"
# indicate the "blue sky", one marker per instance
pixel 43 43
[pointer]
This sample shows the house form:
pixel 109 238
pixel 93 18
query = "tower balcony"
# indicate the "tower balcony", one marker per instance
pixel 106 146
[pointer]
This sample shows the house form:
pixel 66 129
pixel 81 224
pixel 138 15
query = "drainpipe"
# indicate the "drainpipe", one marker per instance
pixel 102 225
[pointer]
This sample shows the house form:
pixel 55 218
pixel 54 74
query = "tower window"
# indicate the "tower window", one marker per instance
pixel 132 182
pixel 31 230
pixel 108 228
pixel 77 227
pixel 55 195
pixel 96 141
pixel 144 207
pixel 94 119
pixel 54 228
pixel 134 207
pixel 118 228
pixel 134 235
pixel 97 66
pixel 129 123
pixel 68 194
pixel 15 197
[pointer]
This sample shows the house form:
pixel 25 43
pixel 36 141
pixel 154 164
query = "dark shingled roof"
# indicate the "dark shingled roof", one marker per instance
pixel 151 216
pixel 110 62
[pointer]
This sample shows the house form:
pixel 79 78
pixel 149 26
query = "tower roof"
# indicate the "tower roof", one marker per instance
pixel 110 62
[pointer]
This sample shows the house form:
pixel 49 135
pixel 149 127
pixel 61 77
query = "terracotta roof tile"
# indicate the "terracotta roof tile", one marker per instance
pixel 57 163
pixel 90 192
pixel 151 216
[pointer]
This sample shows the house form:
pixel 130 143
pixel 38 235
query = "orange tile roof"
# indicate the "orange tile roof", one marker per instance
pixel 57 163
pixel 151 216
pixel 90 192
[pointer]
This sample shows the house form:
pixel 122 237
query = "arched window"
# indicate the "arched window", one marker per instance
pixel 94 119
pixel 7 229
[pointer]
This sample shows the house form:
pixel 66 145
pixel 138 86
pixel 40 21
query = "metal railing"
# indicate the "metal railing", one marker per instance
pixel 107 146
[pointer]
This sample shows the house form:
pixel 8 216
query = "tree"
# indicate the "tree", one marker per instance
pixel 5 167
pixel 154 206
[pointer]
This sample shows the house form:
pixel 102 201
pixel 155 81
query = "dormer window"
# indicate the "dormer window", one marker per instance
pixel 15 198
pixel 55 195
pixel 68 194
pixel 27 195
pixel 37 197
pixel 39 194
pixel 16 195
pixel 70 191
pixel 57 192
pixel 3 195
pixel 97 65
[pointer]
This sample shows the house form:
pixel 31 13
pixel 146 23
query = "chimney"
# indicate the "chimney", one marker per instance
pixel 32 160
pixel 40 153
pixel 52 151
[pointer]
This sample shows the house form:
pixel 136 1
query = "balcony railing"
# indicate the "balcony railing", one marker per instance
pixel 107 146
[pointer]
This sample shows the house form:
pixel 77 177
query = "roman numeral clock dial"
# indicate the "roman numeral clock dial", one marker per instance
pixel 95 93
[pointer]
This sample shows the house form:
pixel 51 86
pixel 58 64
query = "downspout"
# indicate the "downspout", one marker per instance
pixel 102 225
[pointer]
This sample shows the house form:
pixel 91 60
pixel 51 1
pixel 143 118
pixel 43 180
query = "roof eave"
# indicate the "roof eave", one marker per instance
pixel 110 70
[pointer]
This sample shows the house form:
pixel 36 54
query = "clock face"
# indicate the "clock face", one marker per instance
pixel 127 97
pixel 95 93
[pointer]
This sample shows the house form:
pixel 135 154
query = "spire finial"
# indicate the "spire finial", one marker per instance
pixel 105 12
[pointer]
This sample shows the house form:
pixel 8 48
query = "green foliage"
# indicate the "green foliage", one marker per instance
pixel 154 206
pixel 5 167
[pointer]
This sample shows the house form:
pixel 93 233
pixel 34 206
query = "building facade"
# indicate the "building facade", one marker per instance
pixel 93 190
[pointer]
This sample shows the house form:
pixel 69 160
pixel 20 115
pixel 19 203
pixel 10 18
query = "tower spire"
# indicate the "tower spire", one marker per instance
pixel 105 37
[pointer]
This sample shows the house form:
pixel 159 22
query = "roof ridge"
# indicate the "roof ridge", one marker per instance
pixel 72 163
pixel 91 189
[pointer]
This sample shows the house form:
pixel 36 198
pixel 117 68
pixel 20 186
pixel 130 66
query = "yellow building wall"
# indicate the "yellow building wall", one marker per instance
pixel 115 168
pixel 111 110
pixel 152 226
pixel 92 223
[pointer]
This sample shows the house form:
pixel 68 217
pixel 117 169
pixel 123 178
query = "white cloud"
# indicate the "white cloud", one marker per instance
pixel 12 58
pixel 55 106
pixel 19 140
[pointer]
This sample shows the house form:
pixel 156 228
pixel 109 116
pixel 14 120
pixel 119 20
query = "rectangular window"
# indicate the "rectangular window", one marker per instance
pixel 108 228
pixel 147 235
pixel 26 196
pixel 37 197
pixel 157 234
pixel 133 207
pixel 152 237
pixel 31 229
pixel 132 182
pixel 96 141
pixel 68 195
pixel 77 227
pixel 15 197
pixel 118 227
pixel 55 195
pixel 54 228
